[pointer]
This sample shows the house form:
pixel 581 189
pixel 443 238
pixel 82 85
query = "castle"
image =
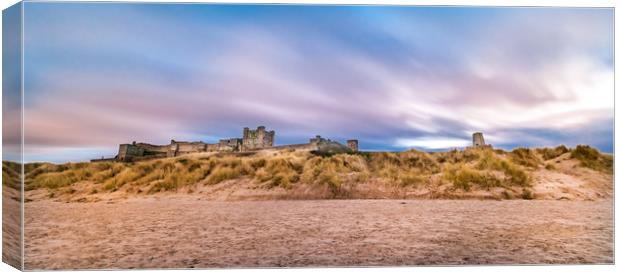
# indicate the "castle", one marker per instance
pixel 253 140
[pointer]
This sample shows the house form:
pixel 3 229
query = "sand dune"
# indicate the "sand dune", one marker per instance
pixel 469 174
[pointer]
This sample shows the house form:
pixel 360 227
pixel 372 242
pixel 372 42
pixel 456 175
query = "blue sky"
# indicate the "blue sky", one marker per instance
pixel 395 77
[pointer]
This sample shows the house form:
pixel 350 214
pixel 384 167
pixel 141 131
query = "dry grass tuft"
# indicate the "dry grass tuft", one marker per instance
pixel 513 174
pixel 413 178
pixel 463 177
pixel 407 168
pixel 527 194
pixel 552 153
pixel 278 172
pixel 526 157
pixel 591 158
pixel 222 173
pixel 11 173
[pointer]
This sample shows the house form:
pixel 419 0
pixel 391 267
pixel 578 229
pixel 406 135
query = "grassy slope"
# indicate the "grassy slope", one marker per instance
pixel 10 174
pixel 478 173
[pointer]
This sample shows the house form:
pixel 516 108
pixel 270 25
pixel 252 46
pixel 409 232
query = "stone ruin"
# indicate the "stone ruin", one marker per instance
pixel 353 145
pixel 478 140
pixel 253 140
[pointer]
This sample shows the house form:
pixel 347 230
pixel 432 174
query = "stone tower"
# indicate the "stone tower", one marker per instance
pixel 353 144
pixel 257 139
pixel 478 139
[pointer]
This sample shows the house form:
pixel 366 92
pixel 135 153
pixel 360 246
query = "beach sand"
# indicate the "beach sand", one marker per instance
pixel 183 231
pixel 11 227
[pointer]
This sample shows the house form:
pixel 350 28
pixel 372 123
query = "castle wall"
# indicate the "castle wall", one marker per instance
pixel 297 147
pixel 126 152
pixel 148 157
pixel 191 147
pixel 103 160
pixel 149 148
pixel 212 147
pixel 232 144
pixel 332 147
pixel 318 144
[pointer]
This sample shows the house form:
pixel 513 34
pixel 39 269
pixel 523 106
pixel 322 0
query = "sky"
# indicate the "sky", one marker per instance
pixel 395 77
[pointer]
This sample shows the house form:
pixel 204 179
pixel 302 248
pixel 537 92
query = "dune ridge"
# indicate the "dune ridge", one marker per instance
pixel 581 173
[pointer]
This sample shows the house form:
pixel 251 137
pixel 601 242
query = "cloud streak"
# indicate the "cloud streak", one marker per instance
pixel 394 77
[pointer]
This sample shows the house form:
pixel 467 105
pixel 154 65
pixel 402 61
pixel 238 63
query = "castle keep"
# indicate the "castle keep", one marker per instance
pixel 258 139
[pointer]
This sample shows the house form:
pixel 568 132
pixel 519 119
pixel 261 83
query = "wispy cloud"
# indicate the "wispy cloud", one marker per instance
pixel 432 142
pixel 394 77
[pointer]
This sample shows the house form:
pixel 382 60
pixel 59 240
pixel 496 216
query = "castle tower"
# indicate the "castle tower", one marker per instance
pixel 353 144
pixel 246 132
pixel 173 149
pixel 478 139
pixel 257 139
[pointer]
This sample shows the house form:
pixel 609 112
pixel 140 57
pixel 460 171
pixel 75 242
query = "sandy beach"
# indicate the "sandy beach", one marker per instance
pixel 185 231
pixel 11 227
